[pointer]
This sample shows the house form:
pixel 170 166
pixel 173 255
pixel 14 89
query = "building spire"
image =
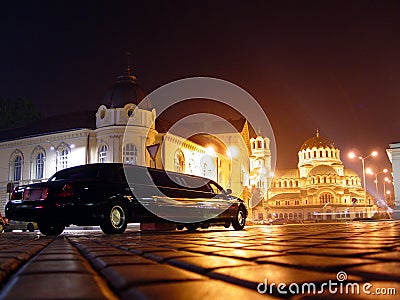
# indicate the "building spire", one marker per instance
pixel 317 133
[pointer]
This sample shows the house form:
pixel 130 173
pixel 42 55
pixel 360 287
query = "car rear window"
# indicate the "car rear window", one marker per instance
pixel 86 172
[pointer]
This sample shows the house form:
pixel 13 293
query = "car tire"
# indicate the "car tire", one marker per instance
pixel 191 227
pixel 30 227
pixel 179 227
pixel 115 218
pixel 50 228
pixel 240 219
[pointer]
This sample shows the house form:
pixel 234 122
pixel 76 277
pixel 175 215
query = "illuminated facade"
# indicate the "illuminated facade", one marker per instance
pixel 394 156
pixel 320 189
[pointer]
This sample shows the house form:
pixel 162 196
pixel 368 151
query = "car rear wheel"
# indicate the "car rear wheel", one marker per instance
pixel 50 229
pixel 240 220
pixel 191 227
pixel 116 219
pixel 30 227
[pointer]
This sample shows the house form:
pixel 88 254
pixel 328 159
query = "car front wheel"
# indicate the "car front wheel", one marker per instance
pixel 115 219
pixel 50 229
pixel 240 220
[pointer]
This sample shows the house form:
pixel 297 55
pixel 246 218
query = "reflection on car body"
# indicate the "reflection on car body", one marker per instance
pixel 112 195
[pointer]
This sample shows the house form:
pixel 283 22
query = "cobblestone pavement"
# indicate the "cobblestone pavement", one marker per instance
pixel 332 261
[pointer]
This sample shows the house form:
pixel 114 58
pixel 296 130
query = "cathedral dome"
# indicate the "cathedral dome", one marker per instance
pixel 322 170
pixel 124 91
pixel 318 142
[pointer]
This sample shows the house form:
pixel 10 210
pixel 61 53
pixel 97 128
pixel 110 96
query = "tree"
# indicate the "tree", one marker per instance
pixel 17 112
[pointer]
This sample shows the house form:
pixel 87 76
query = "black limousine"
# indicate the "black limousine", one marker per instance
pixel 112 195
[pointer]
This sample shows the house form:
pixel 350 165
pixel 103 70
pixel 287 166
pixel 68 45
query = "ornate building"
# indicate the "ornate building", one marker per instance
pixel 320 189
pixel 118 132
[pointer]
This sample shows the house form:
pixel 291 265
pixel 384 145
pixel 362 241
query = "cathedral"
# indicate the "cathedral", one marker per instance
pixel 319 189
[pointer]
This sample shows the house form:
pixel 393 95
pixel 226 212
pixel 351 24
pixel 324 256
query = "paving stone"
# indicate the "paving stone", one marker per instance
pixel 390 256
pixel 165 255
pixel 201 264
pixel 54 266
pixel 246 254
pixel 378 271
pixel 195 290
pixel 120 277
pixel 67 256
pixel 335 251
pixel 317 262
pixel 104 261
pixel 54 286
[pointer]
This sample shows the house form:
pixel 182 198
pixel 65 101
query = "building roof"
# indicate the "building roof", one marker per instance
pixel 285 196
pixel 317 141
pixel 53 124
pixel 126 90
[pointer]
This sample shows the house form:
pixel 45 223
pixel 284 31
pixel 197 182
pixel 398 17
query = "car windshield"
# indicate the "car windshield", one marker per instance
pixel 86 172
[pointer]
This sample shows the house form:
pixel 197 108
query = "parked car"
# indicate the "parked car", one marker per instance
pixel 20 225
pixel 112 195
pixel 279 221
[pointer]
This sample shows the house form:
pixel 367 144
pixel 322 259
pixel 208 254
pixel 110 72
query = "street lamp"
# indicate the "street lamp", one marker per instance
pixel 351 156
pixel 369 171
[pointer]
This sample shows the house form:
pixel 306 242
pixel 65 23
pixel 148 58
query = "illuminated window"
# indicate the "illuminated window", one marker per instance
pixel 39 166
pixel 179 161
pixel 130 154
pixel 103 154
pixel 325 198
pixel 63 159
pixel 17 167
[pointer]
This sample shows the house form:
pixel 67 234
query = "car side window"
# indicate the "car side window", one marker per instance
pixel 214 188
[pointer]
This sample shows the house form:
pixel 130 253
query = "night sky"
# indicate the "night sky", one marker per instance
pixel 331 65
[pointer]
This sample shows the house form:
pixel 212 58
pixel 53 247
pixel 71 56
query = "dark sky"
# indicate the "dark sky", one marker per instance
pixel 332 65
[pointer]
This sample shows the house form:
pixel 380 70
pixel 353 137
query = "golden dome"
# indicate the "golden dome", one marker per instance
pixel 318 142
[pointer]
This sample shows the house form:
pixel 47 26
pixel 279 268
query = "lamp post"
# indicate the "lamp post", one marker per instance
pixel 351 156
pixel 384 185
pixel 369 171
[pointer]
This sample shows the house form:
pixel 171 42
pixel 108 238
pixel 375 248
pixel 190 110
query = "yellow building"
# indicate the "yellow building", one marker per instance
pixel 319 189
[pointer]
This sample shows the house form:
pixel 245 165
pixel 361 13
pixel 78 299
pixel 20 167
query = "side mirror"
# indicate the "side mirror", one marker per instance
pixel 229 191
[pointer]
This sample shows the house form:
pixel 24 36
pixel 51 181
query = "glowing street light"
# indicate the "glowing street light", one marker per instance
pixel 370 172
pixel 351 156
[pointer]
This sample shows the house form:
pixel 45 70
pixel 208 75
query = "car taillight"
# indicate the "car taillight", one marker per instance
pixel 16 195
pixel 67 191
pixel 45 192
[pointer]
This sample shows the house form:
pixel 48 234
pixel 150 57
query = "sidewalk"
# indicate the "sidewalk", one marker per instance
pixel 261 262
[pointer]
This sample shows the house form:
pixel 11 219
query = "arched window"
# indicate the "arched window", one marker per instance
pixel 37 163
pixel 179 161
pixel 17 168
pixel 325 198
pixel 130 154
pixel 103 151
pixel 39 166
pixel 63 159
